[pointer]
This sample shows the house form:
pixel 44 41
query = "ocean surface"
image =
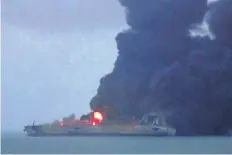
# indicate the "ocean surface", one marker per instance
pixel 18 143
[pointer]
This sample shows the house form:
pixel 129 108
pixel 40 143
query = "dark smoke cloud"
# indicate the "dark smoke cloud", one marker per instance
pixel 161 14
pixel 161 68
pixel 220 20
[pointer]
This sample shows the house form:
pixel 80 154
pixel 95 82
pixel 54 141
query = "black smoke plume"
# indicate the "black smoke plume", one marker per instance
pixel 161 67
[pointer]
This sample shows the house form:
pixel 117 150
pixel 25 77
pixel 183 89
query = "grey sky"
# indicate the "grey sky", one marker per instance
pixel 53 54
pixel 63 15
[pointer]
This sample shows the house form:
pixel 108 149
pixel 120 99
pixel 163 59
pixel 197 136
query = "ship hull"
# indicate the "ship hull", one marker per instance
pixel 96 134
pixel 94 131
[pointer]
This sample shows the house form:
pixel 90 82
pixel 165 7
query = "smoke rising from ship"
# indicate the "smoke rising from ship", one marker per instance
pixel 161 67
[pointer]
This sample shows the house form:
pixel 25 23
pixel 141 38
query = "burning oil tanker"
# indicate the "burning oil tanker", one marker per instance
pixel 98 125
pixel 162 67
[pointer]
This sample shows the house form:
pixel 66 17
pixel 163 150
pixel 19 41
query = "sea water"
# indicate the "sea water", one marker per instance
pixel 18 143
